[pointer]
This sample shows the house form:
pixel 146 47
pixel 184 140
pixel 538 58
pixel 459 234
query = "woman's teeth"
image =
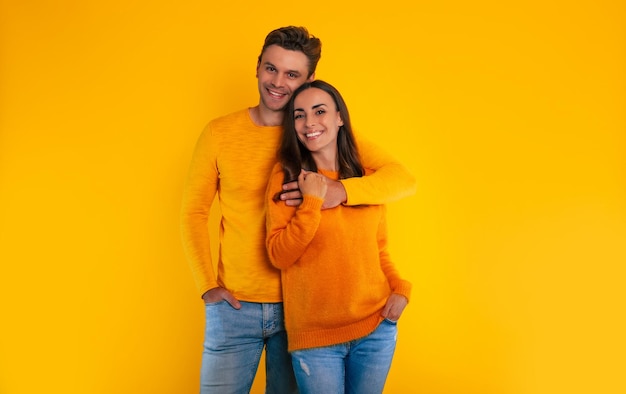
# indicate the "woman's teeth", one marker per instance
pixel 313 135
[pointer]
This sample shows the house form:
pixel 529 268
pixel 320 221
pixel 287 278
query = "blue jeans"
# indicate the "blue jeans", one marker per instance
pixel 233 344
pixel 356 367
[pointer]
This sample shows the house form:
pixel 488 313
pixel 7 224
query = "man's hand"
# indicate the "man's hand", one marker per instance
pixel 394 307
pixel 218 294
pixel 335 194
pixel 291 194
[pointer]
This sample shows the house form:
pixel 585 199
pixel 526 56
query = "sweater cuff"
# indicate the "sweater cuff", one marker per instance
pixel 312 203
pixel 403 287
pixel 350 191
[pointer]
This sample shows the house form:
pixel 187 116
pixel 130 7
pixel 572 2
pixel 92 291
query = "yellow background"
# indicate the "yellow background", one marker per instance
pixel 510 114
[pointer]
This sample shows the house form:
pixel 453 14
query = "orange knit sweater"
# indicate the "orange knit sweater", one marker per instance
pixel 336 270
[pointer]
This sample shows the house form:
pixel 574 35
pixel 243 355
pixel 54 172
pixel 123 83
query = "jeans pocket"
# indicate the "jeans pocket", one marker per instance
pixel 216 303
pixel 389 321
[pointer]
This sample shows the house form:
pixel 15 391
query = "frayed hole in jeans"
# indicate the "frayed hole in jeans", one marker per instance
pixel 305 368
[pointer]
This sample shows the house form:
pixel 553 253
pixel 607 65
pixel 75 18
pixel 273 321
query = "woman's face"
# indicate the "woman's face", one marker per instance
pixel 317 121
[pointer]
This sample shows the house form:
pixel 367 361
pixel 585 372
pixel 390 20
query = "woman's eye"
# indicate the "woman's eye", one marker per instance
pixel 298 116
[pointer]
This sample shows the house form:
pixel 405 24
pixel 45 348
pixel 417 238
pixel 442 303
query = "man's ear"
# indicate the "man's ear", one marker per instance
pixel 311 78
pixel 258 65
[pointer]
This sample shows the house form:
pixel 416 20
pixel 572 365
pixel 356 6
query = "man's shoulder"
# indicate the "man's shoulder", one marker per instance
pixel 368 171
pixel 227 121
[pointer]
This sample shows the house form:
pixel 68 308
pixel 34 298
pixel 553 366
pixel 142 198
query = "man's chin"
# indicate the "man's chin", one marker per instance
pixel 274 105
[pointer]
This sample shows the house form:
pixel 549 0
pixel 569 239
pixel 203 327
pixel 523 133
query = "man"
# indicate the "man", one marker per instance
pixel 233 159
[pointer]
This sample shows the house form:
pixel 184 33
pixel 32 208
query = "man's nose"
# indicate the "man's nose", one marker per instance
pixel 277 81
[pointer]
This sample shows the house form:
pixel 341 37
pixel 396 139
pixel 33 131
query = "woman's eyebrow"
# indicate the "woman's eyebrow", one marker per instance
pixel 313 107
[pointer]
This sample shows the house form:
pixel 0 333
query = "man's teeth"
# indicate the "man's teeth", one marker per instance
pixel 275 94
pixel 313 135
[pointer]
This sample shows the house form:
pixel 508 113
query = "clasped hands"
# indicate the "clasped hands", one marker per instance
pixel 314 184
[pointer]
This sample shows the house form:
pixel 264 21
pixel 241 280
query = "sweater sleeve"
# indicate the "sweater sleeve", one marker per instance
pixel 289 229
pixel 198 195
pixel 391 180
pixel 397 284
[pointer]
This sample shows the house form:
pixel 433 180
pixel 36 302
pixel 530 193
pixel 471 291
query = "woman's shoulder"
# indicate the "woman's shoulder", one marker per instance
pixel 277 172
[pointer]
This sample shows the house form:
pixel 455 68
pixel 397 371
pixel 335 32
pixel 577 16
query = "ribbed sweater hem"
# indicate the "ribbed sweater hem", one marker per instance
pixel 299 340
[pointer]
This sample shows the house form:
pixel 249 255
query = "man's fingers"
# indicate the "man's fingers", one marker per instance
pixel 290 185
pixel 232 300
pixel 294 202
pixel 291 195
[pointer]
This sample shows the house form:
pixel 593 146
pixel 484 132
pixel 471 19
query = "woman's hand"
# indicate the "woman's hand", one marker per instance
pixel 394 307
pixel 335 194
pixel 312 183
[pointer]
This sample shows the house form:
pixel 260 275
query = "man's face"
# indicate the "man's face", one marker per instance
pixel 279 73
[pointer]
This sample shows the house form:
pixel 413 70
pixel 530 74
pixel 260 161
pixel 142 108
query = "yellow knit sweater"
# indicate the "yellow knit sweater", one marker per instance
pixel 336 270
pixel 233 158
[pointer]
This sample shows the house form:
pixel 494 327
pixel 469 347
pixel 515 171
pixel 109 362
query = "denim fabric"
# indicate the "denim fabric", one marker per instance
pixel 356 367
pixel 233 344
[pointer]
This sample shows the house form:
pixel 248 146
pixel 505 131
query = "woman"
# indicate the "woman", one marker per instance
pixel 342 294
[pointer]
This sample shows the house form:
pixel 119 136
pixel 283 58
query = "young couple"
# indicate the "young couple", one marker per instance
pixel 312 239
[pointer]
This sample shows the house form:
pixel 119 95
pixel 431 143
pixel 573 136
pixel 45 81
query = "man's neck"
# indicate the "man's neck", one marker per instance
pixel 265 117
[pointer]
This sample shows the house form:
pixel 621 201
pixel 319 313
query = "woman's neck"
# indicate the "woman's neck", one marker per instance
pixel 326 160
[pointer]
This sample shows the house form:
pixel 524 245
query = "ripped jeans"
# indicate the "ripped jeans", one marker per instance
pixel 356 367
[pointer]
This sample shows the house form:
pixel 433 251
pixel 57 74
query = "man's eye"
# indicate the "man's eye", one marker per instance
pixel 292 75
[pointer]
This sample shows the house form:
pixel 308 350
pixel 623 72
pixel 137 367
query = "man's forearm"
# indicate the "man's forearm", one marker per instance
pixel 389 183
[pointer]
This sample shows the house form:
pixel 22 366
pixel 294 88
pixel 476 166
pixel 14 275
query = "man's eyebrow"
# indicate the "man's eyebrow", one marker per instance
pixel 288 71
